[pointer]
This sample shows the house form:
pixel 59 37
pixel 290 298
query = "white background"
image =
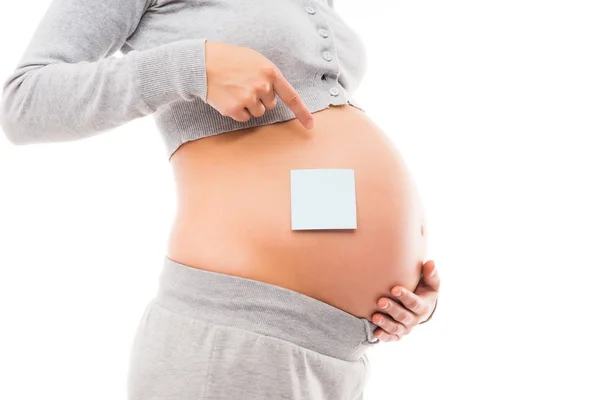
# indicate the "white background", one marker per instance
pixel 495 107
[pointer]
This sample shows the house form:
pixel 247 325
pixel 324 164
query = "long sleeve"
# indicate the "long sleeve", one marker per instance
pixel 68 86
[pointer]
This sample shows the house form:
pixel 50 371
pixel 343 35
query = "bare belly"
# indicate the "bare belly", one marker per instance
pixel 234 210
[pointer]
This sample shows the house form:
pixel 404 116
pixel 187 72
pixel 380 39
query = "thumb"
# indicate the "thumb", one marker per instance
pixel 430 275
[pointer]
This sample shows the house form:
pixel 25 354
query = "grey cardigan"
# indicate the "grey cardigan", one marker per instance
pixel 68 84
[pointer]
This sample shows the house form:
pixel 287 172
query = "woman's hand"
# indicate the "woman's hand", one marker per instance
pixel 413 308
pixel 242 83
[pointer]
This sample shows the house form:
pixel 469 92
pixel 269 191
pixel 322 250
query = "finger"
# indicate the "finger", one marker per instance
pixel 257 108
pixel 269 99
pixel 410 300
pixel 240 115
pixel 384 336
pixel 266 95
pixel 430 275
pixel 389 325
pixel 398 312
pixel 292 99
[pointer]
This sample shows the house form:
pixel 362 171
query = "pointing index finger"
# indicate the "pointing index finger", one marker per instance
pixel 292 99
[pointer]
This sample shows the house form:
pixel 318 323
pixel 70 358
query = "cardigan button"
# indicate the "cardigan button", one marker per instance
pixel 327 55
pixel 334 91
pixel 323 32
pixel 310 10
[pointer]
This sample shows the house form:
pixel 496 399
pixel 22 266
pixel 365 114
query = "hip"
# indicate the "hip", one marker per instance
pixel 213 336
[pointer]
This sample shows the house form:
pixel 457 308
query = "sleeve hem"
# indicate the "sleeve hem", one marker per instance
pixel 172 71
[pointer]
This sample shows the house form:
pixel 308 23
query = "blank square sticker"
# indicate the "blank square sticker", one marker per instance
pixel 323 199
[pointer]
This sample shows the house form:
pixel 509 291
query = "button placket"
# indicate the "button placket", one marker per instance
pixel 326 53
pixel 323 32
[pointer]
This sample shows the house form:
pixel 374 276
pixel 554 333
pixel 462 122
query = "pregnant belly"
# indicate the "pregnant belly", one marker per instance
pixel 234 210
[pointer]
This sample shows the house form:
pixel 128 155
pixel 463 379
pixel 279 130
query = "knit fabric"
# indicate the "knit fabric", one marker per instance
pixel 69 84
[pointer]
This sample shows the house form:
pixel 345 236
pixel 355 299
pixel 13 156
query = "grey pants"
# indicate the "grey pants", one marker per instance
pixel 207 335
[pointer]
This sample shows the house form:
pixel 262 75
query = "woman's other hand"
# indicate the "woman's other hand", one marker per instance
pixel 242 83
pixel 409 309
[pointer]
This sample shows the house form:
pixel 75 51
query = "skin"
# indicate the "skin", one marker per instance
pixel 233 211
pixel 242 83
pixel 398 318
pixel 234 207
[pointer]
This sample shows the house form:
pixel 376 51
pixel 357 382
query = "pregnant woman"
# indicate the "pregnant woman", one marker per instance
pixel 242 92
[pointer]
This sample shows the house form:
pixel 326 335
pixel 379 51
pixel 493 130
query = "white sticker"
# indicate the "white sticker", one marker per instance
pixel 323 199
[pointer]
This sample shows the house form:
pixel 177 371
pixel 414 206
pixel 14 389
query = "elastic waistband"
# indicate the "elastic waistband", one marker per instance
pixel 265 309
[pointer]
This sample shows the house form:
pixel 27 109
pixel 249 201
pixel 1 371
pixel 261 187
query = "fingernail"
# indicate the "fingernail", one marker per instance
pixel 310 124
pixel 398 292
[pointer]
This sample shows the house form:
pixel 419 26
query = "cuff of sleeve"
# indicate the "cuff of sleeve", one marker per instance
pixel 172 71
